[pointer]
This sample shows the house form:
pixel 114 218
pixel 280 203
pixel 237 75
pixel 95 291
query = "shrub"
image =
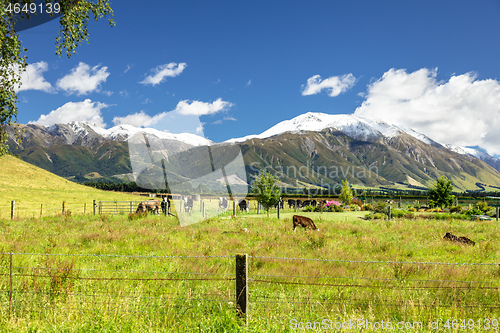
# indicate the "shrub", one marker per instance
pixel 357 202
pixel 367 207
pixel 456 209
pixel 338 209
pixel 412 209
pixel 398 213
pixel 308 208
pixel 482 206
pixel 380 207
pixel 375 216
pixel 473 211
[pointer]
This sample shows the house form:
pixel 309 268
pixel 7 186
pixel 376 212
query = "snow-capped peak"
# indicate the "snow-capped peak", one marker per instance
pixel 469 151
pixel 356 127
pixel 123 132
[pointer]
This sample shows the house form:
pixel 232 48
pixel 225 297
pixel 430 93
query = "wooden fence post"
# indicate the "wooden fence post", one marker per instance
pixel 84 208
pixel 258 207
pixel 389 212
pixel 242 286
pixel 203 208
pixel 131 207
pixel 63 207
pixel 12 209
pixel 234 207
pixel 278 210
pixel 93 207
pixel 10 289
pixel 497 211
pixel 41 210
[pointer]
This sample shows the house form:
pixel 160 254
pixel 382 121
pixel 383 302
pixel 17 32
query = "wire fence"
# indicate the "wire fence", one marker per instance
pixel 36 284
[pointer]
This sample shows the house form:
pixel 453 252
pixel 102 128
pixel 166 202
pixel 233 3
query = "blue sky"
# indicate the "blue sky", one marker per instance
pixel 243 66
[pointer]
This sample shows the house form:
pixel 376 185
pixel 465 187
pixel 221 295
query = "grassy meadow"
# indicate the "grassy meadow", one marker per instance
pixel 35 189
pixel 179 279
pixel 121 273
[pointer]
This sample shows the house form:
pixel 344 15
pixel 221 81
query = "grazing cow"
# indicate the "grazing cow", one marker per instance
pixel 223 204
pixel 151 205
pixel 291 203
pixel 299 203
pixel 243 205
pixel 464 240
pixel 304 222
pixel 188 204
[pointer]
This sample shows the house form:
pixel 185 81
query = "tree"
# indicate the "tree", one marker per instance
pixel 267 190
pixel 73 30
pixel 346 194
pixel 440 194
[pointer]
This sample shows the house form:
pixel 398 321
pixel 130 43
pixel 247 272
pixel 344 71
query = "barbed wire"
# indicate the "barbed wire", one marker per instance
pixel 370 286
pixel 122 279
pixel 364 278
pixel 113 270
pixel 110 255
pixel 381 262
pixel 495 306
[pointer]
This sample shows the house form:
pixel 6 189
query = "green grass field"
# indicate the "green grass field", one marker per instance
pixel 34 189
pixel 106 273
pixel 65 293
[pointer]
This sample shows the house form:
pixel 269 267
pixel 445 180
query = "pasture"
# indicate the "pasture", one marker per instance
pixel 114 273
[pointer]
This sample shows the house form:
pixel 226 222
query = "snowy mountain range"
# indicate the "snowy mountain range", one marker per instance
pixel 356 127
pixel 402 155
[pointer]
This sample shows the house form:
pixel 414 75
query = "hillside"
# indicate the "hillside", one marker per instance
pixel 310 150
pixel 31 187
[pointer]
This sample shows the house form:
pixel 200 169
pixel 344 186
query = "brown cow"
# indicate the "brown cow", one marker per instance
pixel 303 221
pixel 147 206
pixel 464 240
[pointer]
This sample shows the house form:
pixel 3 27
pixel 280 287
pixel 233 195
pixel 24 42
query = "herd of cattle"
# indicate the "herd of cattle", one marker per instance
pixel 155 206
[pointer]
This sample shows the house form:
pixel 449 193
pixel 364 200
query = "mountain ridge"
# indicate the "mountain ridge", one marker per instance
pixel 345 141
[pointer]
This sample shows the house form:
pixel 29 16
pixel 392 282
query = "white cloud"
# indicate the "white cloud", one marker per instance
pixel 139 119
pixel 334 85
pixel 32 78
pixel 83 79
pixel 249 83
pixel 463 110
pixel 85 111
pixel 198 108
pixel 163 71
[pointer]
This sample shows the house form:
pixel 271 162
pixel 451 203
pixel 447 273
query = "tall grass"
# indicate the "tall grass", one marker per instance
pixel 86 291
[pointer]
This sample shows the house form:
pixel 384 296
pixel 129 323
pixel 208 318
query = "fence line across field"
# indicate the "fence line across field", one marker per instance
pixel 249 288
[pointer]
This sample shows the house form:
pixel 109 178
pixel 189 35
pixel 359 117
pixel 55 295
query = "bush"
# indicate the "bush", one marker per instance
pixel 380 207
pixel 338 209
pixel 398 213
pixel 473 211
pixel 482 206
pixel 308 208
pixel 367 207
pixel 456 209
pixel 375 216
pixel 357 202
pixel 412 209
